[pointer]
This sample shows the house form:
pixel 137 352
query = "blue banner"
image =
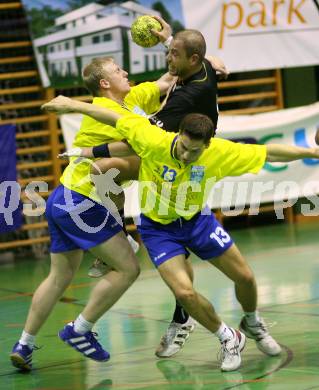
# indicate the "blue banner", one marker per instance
pixel 10 205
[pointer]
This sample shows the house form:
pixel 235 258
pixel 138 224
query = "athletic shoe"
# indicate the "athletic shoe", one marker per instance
pixel 174 338
pixel 99 268
pixel 230 351
pixel 21 356
pixel 265 343
pixel 84 343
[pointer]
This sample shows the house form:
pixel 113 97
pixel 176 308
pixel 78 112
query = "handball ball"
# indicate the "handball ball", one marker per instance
pixel 141 31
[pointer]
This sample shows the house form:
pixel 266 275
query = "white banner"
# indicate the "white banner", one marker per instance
pixel 277 182
pixel 259 34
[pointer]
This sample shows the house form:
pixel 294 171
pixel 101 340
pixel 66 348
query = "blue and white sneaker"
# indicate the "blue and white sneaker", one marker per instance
pixel 84 343
pixel 21 356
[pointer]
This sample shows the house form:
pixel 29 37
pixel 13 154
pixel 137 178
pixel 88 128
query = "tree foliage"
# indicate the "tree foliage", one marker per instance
pixel 41 19
pixel 175 24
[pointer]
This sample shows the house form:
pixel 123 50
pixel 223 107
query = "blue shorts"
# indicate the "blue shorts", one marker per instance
pixel 203 235
pixel 77 222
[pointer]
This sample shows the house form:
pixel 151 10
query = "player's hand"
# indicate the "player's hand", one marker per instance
pixel 219 66
pixel 317 137
pixel 165 33
pixel 75 152
pixel 61 105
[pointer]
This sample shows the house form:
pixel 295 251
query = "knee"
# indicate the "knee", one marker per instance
pixel 246 277
pixel 133 270
pixel 185 295
pixel 61 281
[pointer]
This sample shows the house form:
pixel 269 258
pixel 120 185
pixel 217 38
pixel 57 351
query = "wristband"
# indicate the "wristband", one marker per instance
pixel 168 42
pixel 101 151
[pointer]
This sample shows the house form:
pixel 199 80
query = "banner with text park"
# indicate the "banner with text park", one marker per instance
pixel 256 35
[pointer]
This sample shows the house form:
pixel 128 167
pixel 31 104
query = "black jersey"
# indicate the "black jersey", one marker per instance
pixel 197 94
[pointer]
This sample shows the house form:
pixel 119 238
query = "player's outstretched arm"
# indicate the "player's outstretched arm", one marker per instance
pixel 165 82
pixel 114 149
pixel 63 105
pixel 286 153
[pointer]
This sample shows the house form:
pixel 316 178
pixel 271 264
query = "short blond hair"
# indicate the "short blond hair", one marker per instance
pixel 94 72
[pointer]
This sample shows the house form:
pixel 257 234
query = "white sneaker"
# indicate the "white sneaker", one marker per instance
pixel 265 343
pixel 230 351
pixel 99 268
pixel 174 338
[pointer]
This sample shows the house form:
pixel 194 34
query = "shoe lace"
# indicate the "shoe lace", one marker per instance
pixel 227 352
pixel 91 337
pixel 176 333
pixel 261 328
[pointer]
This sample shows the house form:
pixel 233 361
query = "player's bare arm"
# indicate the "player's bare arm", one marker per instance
pixel 63 104
pixel 286 153
pixel 114 149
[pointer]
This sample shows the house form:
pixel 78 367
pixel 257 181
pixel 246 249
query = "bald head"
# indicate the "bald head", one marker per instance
pixel 193 42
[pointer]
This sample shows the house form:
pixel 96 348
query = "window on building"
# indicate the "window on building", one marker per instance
pixel 73 23
pixel 67 45
pixel 53 69
pixel 96 39
pixel 59 47
pixel 147 65
pixel 107 37
pixel 51 49
pixel 155 61
pixel 69 67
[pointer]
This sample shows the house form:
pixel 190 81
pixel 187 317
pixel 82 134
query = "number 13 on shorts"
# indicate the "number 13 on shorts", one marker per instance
pixel 220 236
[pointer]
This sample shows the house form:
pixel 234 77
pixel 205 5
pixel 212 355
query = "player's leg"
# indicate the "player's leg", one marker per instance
pixel 128 168
pixel 119 255
pixel 63 267
pixel 125 269
pixel 180 315
pixel 175 275
pixel 235 267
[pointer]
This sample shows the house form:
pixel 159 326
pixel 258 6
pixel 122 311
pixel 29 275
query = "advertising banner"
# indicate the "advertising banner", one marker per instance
pixel 260 34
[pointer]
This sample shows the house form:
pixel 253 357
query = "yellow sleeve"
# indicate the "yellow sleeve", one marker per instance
pixel 146 96
pixel 141 135
pixel 242 158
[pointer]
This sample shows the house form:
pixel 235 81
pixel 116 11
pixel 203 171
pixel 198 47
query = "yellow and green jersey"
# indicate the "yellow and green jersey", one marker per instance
pixel 169 189
pixel 144 99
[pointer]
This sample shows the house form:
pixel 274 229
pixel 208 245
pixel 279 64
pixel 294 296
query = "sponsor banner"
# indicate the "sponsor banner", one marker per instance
pixel 255 35
pixel 277 182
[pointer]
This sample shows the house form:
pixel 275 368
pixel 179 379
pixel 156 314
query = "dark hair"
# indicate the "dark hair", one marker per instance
pixel 93 73
pixel 197 126
pixel 193 42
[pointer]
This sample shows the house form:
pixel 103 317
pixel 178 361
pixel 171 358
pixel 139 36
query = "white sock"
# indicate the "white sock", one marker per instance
pixel 27 339
pixel 81 325
pixel 224 333
pixel 252 318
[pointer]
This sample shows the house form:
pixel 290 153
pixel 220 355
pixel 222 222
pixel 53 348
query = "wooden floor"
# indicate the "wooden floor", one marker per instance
pixel 286 263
